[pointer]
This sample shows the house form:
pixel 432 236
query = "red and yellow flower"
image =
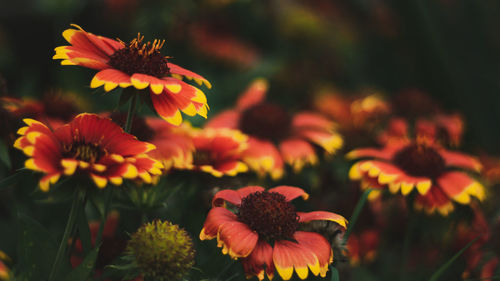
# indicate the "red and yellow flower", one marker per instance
pixel 275 137
pixel 218 151
pixel 363 247
pixel 136 64
pixel 405 164
pixel 263 232
pixel 89 145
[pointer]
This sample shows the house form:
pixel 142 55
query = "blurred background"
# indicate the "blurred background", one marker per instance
pixel 420 56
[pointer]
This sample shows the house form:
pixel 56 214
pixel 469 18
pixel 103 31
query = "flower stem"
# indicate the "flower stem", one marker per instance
pixel 104 218
pixel 130 113
pixel 355 214
pixel 78 202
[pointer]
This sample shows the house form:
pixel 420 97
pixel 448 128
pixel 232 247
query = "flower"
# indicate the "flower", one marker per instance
pixel 89 145
pixel 404 164
pixel 218 151
pixel 363 247
pixel 275 137
pixel 136 64
pixel 263 232
pixel 162 251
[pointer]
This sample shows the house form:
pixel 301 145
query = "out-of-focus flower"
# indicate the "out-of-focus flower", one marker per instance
pixel 218 151
pixel 89 145
pixel 111 247
pixel 162 251
pixel 491 167
pixel 362 248
pixel 275 137
pixel 224 47
pixel 174 145
pixel 4 270
pixel 264 233
pixel 136 64
pixel 419 163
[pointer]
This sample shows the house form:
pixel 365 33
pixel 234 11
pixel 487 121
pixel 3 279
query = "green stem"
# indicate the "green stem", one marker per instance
pixel 104 218
pixel 78 202
pixel 130 114
pixel 355 214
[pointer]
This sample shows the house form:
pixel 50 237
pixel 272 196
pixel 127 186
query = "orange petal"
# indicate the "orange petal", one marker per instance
pixel 259 260
pixel 254 94
pixel 322 215
pixel 290 192
pixel 236 239
pixel 215 218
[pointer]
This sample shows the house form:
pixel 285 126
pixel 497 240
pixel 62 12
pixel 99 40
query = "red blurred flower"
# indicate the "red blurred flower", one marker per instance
pixel 263 232
pixel 90 145
pixel 363 247
pixel 276 137
pixel 218 151
pixel 136 64
pixel 421 163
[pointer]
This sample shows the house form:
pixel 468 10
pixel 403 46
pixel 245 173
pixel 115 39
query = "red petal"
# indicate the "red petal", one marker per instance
pixel 215 218
pixel 457 159
pixel 288 255
pixel 290 192
pixel 319 246
pixel 226 119
pixel 259 260
pixel 322 215
pixel 254 94
pixel 237 239
pixel 228 195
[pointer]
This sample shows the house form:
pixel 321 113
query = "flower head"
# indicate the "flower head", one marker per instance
pixel 162 250
pixel 264 232
pixel 275 136
pixel 89 145
pixel 139 64
pixel 218 151
pixel 405 164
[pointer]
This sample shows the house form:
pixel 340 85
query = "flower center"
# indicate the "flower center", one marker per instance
pixel 420 160
pixel 266 121
pixel 202 157
pixel 270 215
pixel 83 151
pixel 139 57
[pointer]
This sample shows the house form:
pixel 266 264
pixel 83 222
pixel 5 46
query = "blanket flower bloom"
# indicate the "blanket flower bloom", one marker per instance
pixel 218 151
pixel 89 145
pixel 275 137
pixel 263 232
pixel 136 64
pixel 405 164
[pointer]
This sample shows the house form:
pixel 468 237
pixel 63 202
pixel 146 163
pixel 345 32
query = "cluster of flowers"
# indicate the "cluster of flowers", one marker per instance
pixel 258 226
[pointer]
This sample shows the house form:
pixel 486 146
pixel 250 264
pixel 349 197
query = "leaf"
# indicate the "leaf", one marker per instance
pixel 335 274
pixel 84 231
pixel 4 155
pixel 81 272
pixel 445 266
pixel 14 178
pixel 36 249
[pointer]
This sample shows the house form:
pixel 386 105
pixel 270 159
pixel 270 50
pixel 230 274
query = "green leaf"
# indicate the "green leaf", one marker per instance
pixel 84 231
pixel 14 178
pixel 36 249
pixel 81 272
pixel 445 266
pixel 4 154
pixel 335 274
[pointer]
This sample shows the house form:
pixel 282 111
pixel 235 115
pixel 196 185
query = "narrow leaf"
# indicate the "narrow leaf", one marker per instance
pixel 335 274
pixel 4 155
pixel 81 272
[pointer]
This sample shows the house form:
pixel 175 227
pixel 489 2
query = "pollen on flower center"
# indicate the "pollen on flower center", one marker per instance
pixel 267 121
pixel 139 57
pixel 269 214
pixel 84 151
pixel 420 160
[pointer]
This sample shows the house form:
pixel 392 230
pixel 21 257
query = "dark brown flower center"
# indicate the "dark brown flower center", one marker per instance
pixel 270 215
pixel 266 121
pixel 83 151
pixel 202 157
pixel 420 160
pixel 139 57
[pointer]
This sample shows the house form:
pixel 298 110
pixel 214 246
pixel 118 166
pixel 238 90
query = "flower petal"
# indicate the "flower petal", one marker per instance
pixel 263 157
pixel 236 239
pixel 460 160
pixel 215 218
pixel 226 119
pixel 322 215
pixel 297 153
pixel 319 246
pixel 460 187
pixel 254 94
pixel 290 192
pixel 175 69
pixel 288 256
pixel 259 261
pixel 110 78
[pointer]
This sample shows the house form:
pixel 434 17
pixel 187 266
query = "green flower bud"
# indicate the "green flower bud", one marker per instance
pixel 162 251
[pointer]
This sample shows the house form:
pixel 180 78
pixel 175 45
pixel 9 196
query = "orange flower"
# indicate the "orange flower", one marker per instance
pixel 404 164
pixel 136 64
pixel 363 247
pixel 218 151
pixel 263 232
pixel 90 145
pixel 275 137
